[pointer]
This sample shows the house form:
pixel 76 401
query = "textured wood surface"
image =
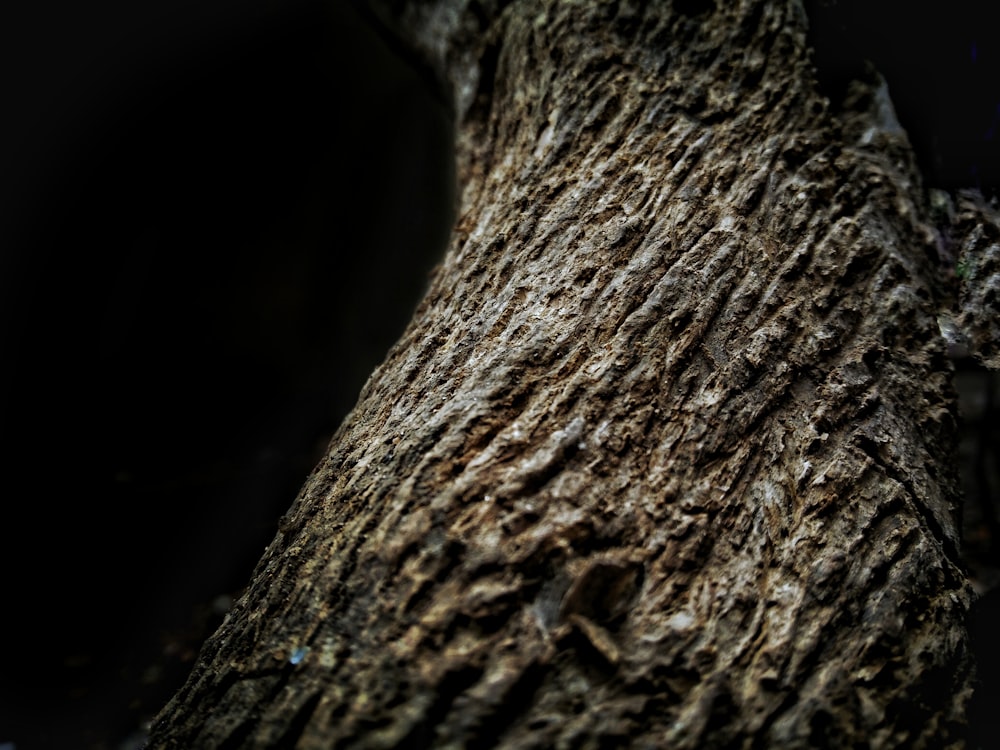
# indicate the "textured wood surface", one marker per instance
pixel 666 456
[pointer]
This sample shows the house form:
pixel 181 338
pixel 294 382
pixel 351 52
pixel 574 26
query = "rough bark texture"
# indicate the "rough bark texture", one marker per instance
pixel 665 458
pixel 970 233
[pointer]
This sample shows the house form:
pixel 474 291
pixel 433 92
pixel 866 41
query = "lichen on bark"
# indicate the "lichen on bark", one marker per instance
pixel 665 457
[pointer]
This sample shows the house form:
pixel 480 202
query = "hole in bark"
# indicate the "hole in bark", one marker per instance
pixel 604 591
pixel 819 729
pixel 753 78
pixel 697 104
pixel 871 357
pixel 858 267
pixel 592 661
pixel 693 8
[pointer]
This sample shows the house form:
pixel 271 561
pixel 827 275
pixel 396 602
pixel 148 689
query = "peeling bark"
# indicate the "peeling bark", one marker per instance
pixel 665 457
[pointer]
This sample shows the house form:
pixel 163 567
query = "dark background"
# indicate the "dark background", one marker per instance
pixel 216 217
pixel 942 64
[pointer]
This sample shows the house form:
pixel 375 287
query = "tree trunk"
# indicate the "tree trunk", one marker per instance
pixel 665 457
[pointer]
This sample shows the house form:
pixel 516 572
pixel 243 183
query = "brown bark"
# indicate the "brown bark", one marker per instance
pixel 665 457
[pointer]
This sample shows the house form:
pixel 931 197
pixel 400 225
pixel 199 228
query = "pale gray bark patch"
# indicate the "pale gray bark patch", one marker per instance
pixel 665 457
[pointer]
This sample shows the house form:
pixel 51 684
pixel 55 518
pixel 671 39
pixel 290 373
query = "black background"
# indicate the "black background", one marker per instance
pixel 216 218
pixel 942 65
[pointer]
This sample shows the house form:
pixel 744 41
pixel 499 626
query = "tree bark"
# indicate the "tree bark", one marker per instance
pixel 665 457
